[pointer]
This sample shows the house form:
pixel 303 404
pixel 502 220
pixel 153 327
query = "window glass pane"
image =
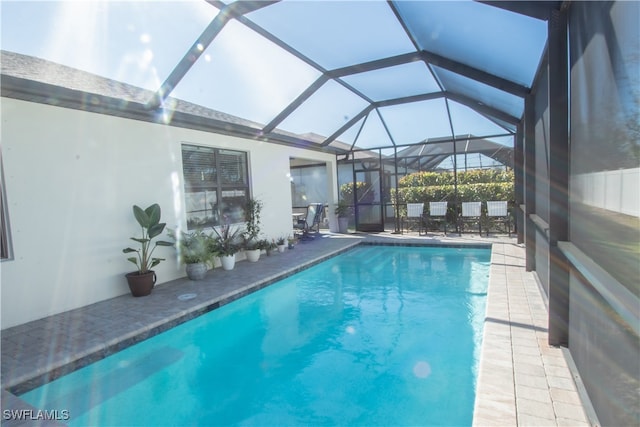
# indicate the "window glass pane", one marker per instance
pixel 199 167
pixel 243 74
pixel 201 208
pixel 232 206
pixel 136 42
pixel 336 34
pixel 488 38
pixel 329 108
pixel 394 82
pixel 233 167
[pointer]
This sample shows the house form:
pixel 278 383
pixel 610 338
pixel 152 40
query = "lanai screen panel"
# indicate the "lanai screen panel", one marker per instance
pixel 325 111
pixel 414 122
pixel 604 211
pixel 409 79
pixel 368 133
pixel 485 94
pixel 605 138
pixel 244 74
pixel 467 121
pixel 490 39
pixel 336 34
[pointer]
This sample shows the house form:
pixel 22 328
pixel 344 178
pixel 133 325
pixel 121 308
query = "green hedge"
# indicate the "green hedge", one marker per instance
pixel 426 179
pixel 474 185
pixel 466 193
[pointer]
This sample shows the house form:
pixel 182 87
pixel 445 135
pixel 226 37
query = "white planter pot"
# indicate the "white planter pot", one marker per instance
pixel 281 248
pixel 196 271
pixel 343 225
pixel 252 255
pixel 228 261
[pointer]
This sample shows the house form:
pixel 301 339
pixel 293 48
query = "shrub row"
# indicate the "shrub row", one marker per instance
pixel 478 176
pixel 466 193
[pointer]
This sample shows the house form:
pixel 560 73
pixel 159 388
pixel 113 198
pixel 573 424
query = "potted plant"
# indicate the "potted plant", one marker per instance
pixel 141 282
pixel 342 212
pixel 267 245
pixel 194 250
pixel 251 245
pixel 281 243
pixel 251 249
pixel 226 245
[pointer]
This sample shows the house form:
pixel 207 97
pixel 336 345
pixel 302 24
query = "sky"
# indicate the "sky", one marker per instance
pixel 243 74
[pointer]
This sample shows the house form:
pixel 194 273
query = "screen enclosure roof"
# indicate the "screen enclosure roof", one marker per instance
pixel 329 75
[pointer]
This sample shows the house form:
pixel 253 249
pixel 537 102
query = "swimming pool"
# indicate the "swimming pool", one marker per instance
pixel 375 336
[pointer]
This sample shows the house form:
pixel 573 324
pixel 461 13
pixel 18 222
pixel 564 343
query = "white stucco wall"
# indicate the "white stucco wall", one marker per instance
pixel 71 178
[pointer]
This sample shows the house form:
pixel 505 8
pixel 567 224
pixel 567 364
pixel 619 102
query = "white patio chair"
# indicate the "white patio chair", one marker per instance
pixel 497 212
pixel 414 217
pixel 471 213
pixel 438 214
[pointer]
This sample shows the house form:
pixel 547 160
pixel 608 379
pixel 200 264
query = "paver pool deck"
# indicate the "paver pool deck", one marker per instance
pixel 522 380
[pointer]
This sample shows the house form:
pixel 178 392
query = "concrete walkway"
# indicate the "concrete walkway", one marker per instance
pixel 522 381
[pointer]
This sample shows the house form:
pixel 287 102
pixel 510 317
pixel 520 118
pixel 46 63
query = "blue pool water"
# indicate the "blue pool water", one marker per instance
pixel 379 335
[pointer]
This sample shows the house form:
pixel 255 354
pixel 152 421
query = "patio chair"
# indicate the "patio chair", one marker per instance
pixel 497 213
pixel 471 213
pixel 414 217
pixel 437 215
pixel 310 221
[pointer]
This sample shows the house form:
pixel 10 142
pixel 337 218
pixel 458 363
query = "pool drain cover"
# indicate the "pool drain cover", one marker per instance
pixel 186 297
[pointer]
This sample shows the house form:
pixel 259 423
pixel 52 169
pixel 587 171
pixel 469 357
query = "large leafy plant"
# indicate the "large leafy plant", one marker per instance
pixel 193 247
pixel 149 220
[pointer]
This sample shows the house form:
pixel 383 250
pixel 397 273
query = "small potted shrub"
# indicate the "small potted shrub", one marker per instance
pixel 267 245
pixel 141 282
pixel 342 212
pixel 252 230
pixel 225 245
pixel 194 251
pixel 252 248
pixel 281 243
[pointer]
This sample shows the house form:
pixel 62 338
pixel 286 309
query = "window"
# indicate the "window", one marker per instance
pixel 216 185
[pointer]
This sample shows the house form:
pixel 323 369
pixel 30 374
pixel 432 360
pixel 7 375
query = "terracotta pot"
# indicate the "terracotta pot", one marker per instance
pixel 141 285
